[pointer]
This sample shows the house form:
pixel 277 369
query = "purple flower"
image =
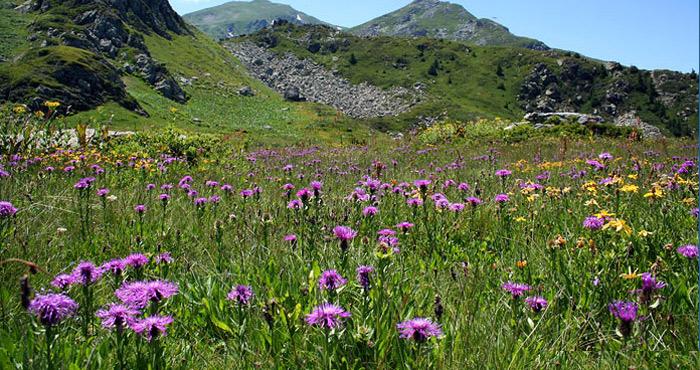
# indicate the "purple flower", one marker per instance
pixel 7 209
pixel 117 316
pixel 688 251
pixel 150 187
pixel 593 223
pixel 136 260
pixel 164 197
pixel 695 212
pixel 414 202
pixel 463 186
pixel 151 327
pixel 247 193
pixel 422 184
pixel 295 204
pixel 625 311
pixel 102 192
pixel 344 233
pixel 456 207
pixel 115 266
pixel 242 294
pixel 473 201
pixel 369 211
pixel 536 303
pixel 605 156
pixel 515 289
pixel 386 232
pixel 52 308
pixel 86 273
pixel 363 276
pixel 201 201
pixel 290 238
pixel 163 258
pixel 63 281
pixel 304 194
pixel 595 164
pixel 501 198
pixel 327 315
pixel 419 329
pixel 503 173
pixel 140 293
pixel 331 280
pixel 404 226
pixel 140 208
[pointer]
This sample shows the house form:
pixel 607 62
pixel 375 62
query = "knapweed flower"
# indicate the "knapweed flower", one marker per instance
pixel 369 211
pixel 201 201
pixel 241 294
pixel 115 266
pixel 52 308
pixel 247 193
pixel 414 202
pixel 151 327
pixel 626 312
pixel 593 223
pixel 536 303
pixel 163 258
pixel 140 209
pixel 695 212
pixel 86 273
pixel 649 286
pixel 419 329
pixel 102 192
pixel 117 316
pixel 140 293
pixel 473 201
pixel 422 184
pixel 404 226
pixel 295 204
pixel 327 315
pixel 386 232
pixel 688 251
pixel 363 276
pixel 503 173
pixel 292 238
pixel 501 198
pixel 63 281
pixel 344 233
pixel 331 280
pixel 515 289
pixel 136 260
pixel 7 209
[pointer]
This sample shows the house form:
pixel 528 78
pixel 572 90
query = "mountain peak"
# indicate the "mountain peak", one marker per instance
pixel 445 20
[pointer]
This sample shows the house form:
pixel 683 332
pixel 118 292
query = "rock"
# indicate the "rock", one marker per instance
pixel 630 119
pixel 292 94
pixel 246 91
pixel 538 117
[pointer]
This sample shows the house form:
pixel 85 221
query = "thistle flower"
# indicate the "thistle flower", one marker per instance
pixel 136 260
pixel 503 173
pixel 7 209
pixel 140 209
pixel 163 258
pixel 688 251
pixel 115 266
pixel 295 204
pixel 404 226
pixel 102 192
pixel 344 233
pixel 593 223
pixel 331 280
pixel 501 198
pixel 419 329
pixel 363 276
pixel 422 185
pixel 117 316
pixel 515 289
pixel 52 308
pixel 536 303
pixel 386 232
pixel 242 294
pixel 414 202
pixel 140 293
pixel 151 327
pixel 627 313
pixel 86 273
pixel 63 281
pixel 473 201
pixel 369 211
pixel 327 315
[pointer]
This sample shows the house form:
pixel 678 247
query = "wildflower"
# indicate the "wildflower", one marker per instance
pixel 369 211
pixel 163 258
pixel 102 192
pixel 473 201
pixel 164 198
pixel 136 260
pixel 386 232
pixel 629 188
pixel 422 185
pixel 688 251
pixel 331 280
pixel 619 226
pixel 7 209
pixel 404 226
pixel 138 294
pixel 86 273
pixel 503 173
pixel 327 315
pixel 117 316
pixel 695 212
pixel 649 286
pixel 463 186
pixel 345 235
pixel 247 193
pixel 295 204
pixel 115 266
pixel 521 264
pixel 63 281
pixel 419 329
pixel 414 202
pixel 214 199
pixel 536 303
pixel 626 312
pixel 501 198
pixel 515 289
pixel 52 308
pixel 605 156
pixel 201 201
pixel 292 238
pixel 151 327
pixel 456 207
pixel 242 294
pixel 140 208
pixel 363 276
pixel 593 223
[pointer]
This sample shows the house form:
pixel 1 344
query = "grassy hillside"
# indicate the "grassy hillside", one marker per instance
pixel 244 17
pixel 465 81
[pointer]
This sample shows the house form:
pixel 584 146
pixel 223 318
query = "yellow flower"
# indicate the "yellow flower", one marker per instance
pixel 520 219
pixel 591 202
pixel 521 264
pixel 629 188
pixel 688 201
pixel 590 186
pixel 533 197
pixel 655 193
pixel 604 214
pixel 52 104
pixel 632 176
pixel 619 226
pixel 39 114
pixel 173 110
pixel 644 233
pixel 629 275
pixel 19 109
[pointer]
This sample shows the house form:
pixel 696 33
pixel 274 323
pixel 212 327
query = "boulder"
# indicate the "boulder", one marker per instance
pixel 246 91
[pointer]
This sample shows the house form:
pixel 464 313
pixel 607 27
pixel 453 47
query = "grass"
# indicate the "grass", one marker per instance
pixel 536 237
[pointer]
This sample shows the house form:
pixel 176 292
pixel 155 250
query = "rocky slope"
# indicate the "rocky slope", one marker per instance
pixel 244 17
pixel 444 20
pixel 301 79
pixel 78 50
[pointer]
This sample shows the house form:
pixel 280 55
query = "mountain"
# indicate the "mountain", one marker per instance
pixel 244 17
pixel 451 79
pixel 444 20
pixel 135 64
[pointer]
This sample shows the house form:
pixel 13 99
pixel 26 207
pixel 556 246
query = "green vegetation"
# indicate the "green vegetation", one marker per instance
pixel 13 29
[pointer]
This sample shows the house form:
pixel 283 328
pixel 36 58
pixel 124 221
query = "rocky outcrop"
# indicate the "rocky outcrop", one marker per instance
pixel 301 79
pixel 540 120
pixel 630 119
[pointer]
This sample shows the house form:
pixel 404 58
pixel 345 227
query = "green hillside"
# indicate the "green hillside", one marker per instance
pixel 244 17
pixel 464 81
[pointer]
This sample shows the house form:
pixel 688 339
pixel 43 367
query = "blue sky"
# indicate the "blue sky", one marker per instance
pixel 647 33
